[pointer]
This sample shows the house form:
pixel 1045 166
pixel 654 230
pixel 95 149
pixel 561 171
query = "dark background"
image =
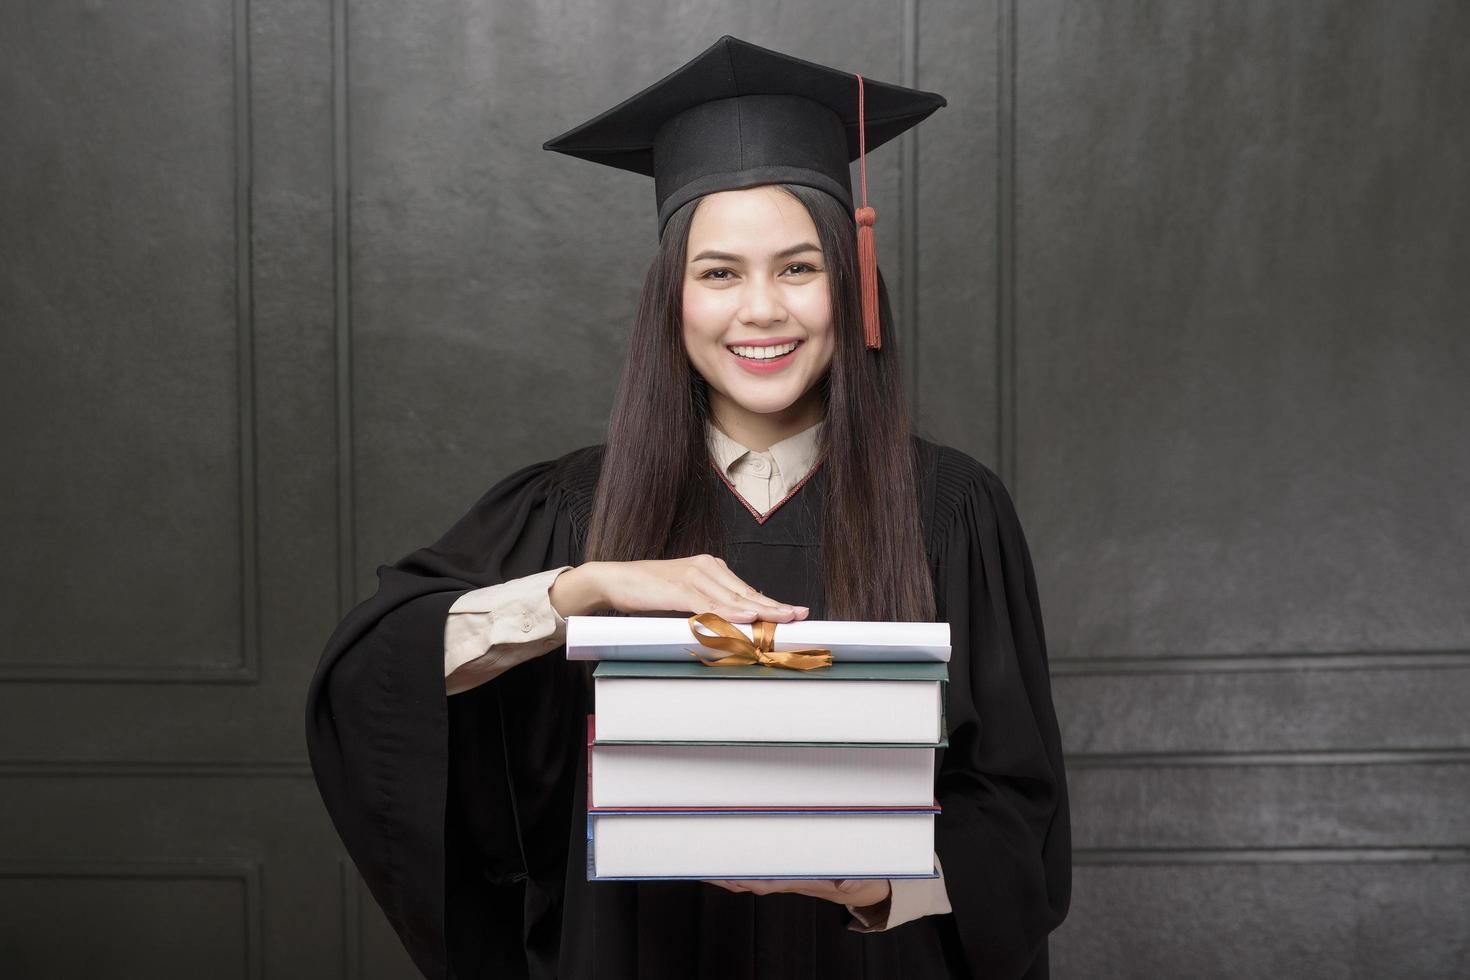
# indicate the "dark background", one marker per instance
pixel 284 287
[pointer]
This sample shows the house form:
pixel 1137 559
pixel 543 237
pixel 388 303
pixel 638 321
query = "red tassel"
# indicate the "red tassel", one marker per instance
pixel 867 249
pixel 868 276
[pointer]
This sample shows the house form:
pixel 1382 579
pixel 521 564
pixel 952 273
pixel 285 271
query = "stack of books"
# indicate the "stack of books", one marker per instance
pixel 750 771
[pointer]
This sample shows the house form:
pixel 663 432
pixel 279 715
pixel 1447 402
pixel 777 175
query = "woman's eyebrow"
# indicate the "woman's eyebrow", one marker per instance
pixel 783 254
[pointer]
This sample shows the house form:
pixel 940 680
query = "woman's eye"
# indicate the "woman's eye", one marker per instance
pixel 725 275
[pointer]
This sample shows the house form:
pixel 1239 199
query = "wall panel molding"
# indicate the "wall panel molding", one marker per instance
pixel 1271 855
pixel 247 873
pixel 1005 252
pixel 908 249
pixel 1452 755
pixel 140 769
pixel 247 671
pixel 1263 662
pixel 342 314
pixel 349 884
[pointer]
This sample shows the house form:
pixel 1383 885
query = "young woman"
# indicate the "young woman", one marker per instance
pixel 758 464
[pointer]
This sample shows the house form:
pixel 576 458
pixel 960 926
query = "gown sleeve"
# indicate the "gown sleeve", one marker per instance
pixel 1003 833
pixel 380 732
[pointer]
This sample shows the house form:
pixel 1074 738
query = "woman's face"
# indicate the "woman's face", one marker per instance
pixel 757 313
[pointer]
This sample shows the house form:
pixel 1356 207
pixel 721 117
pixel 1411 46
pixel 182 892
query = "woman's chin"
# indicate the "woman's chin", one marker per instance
pixel 763 403
pixel 774 395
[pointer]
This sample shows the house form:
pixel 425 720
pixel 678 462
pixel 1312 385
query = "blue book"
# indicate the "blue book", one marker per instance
pixel 732 843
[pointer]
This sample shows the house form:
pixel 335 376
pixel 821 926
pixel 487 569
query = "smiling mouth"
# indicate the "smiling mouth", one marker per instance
pixel 763 353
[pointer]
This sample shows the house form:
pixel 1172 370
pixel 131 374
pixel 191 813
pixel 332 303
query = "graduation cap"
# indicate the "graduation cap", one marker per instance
pixel 739 115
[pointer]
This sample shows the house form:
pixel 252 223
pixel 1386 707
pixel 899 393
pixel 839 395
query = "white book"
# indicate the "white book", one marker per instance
pixel 673 775
pixel 900 703
pixel 761 844
pixel 669 638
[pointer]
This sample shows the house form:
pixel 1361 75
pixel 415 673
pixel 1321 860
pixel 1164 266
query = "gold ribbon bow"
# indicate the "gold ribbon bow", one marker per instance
pixel 740 649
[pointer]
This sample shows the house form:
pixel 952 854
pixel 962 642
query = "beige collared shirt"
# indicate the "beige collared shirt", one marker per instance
pixel 493 629
pixel 766 479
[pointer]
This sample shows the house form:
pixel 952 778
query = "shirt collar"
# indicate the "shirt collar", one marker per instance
pixel 794 456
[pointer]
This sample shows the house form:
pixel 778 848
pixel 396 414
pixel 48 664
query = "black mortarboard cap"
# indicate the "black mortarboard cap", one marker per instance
pixel 739 115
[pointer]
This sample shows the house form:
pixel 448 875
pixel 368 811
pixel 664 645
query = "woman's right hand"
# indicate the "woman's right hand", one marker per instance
pixel 698 584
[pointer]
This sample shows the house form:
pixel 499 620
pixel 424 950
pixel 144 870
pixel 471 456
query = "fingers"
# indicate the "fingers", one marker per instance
pixel 700 583
pixel 752 886
pixel 822 888
pixel 736 592
pixel 707 595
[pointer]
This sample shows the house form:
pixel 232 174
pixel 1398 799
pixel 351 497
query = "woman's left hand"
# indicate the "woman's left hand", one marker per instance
pixel 857 892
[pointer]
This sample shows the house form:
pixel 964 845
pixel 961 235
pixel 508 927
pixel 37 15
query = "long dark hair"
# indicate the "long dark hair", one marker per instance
pixel 656 497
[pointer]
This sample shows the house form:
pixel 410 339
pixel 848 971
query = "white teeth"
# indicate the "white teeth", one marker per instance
pixel 764 353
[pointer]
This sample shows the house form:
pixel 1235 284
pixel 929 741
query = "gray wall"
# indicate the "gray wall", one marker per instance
pixel 283 288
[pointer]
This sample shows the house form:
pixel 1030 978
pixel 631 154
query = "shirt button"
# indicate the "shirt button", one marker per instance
pixel 525 626
pixel 759 465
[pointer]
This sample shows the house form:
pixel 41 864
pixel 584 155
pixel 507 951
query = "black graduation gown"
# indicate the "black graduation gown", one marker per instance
pixel 466 814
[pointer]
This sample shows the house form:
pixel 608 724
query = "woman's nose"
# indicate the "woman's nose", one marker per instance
pixel 762 304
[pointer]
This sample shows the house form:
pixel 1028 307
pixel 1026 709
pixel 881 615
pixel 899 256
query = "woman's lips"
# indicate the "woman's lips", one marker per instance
pixel 766 365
